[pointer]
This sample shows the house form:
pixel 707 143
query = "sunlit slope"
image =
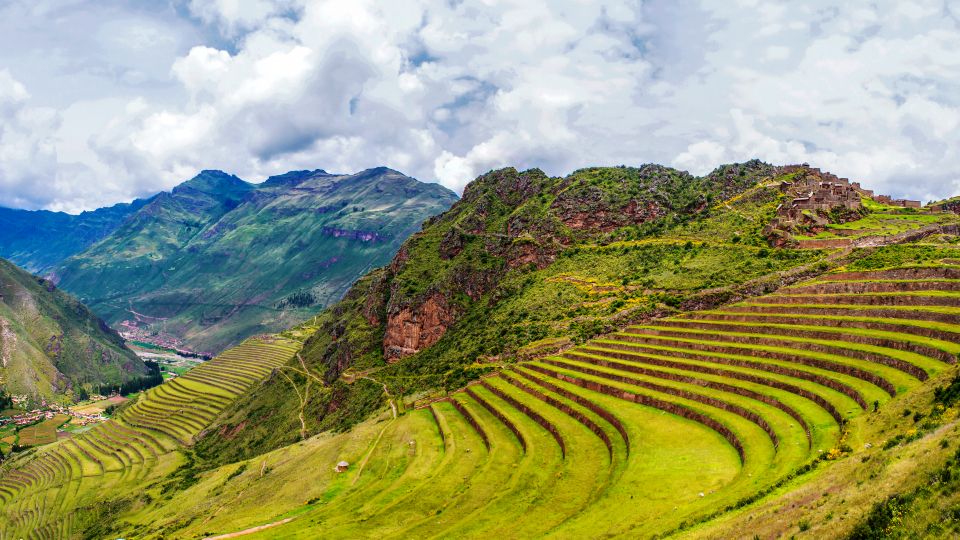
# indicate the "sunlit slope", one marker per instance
pixel 48 492
pixel 218 260
pixel 51 345
pixel 640 432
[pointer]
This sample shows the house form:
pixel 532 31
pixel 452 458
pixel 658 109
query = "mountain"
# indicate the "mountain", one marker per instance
pixel 38 240
pixel 218 259
pixel 520 264
pixel 621 352
pixel 52 345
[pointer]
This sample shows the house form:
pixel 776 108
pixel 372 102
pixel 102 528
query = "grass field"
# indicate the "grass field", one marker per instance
pixel 685 425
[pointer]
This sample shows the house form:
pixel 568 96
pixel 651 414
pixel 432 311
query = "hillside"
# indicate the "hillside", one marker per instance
pixel 38 240
pixel 51 344
pixel 218 259
pixel 618 352
pixel 522 265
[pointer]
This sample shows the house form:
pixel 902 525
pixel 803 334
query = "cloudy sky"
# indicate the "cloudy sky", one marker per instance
pixel 102 101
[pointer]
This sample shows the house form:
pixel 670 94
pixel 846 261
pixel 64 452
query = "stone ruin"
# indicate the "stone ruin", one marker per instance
pixel 815 193
pixel 886 199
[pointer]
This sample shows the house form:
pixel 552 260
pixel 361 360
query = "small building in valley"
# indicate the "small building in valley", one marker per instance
pixel 342 466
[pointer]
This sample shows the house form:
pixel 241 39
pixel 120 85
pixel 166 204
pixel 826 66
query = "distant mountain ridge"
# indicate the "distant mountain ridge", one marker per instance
pixel 39 239
pixel 51 345
pixel 218 259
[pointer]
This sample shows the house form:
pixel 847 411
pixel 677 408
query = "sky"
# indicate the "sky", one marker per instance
pixel 102 101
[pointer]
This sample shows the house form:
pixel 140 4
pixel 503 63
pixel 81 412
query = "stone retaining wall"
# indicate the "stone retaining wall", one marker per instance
pixel 470 420
pixel 721 372
pixel 903 345
pixel 577 398
pixel 436 420
pixel 838 350
pixel 500 416
pixel 857 287
pixel 532 414
pixel 566 409
pixel 685 394
pixel 839 386
pixel 862 300
pixel 914 315
pixel 898 273
pixel 696 381
pixel 649 401
pixel 828 365
pixel 779 318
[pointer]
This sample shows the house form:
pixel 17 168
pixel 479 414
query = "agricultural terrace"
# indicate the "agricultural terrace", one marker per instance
pixel 677 420
pixel 881 223
pixel 40 490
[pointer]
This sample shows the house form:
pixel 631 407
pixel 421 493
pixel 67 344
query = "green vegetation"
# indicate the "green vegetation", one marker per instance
pixel 43 432
pixel 218 260
pixel 145 444
pixel 52 346
pixel 531 367
pixel 39 239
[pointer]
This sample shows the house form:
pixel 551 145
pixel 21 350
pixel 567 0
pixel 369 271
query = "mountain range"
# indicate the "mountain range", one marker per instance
pixel 218 259
pixel 36 240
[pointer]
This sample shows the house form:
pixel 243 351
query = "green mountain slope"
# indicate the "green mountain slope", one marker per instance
pixel 523 264
pixel 38 240
pixel 217 259
pixel 650 374
pixel 51 344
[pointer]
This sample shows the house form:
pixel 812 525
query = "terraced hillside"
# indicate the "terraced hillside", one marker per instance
pixel 618 352
pixel 642 432
pixel 46 493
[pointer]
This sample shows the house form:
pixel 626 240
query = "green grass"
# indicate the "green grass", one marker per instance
pixel 430 473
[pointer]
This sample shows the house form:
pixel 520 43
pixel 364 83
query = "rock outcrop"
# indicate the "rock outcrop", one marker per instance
pixel 413 329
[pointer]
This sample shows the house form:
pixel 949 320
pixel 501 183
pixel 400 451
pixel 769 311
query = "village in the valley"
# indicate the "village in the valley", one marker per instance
pixel 30 423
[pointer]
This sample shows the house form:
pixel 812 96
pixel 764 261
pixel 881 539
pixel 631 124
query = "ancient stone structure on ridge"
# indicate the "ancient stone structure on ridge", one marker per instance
pixel 816 193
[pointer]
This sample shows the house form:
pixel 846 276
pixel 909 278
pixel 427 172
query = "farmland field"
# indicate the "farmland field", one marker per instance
pixel 44 432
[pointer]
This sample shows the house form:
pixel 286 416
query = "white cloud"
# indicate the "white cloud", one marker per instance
pixel 447 90
pixel 239 15
pixel 27 150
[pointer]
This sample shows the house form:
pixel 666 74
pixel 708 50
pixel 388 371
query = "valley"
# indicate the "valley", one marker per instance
pixel 540 381
pixel 218 259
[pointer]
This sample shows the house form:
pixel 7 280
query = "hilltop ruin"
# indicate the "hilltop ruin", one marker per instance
pixel 814 194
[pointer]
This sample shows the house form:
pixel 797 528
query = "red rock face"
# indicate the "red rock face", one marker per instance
pixel 413 329
pixel 606 220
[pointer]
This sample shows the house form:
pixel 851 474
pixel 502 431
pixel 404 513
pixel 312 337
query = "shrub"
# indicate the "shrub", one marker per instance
pixel 948 395
pixel 882 519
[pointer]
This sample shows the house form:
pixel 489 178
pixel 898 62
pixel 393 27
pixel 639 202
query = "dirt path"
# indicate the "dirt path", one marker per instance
pixel 370 453
pixel 393 404
pixel 251 530
pixel 305 396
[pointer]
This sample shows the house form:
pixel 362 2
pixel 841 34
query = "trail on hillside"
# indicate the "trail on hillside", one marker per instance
pixel 305 396
pixel 251 530
pixel 393 403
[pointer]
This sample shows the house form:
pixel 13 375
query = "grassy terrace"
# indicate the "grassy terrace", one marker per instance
pixel 142 443
pixel 676 420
